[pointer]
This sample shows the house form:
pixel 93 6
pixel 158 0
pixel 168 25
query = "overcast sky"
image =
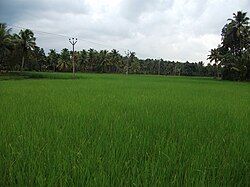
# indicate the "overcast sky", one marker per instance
pixel 170 29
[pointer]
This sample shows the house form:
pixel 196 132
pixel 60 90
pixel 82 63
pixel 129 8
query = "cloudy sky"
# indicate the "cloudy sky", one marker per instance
pixel 170 29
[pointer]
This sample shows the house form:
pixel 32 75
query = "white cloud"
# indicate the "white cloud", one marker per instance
pixel 170 29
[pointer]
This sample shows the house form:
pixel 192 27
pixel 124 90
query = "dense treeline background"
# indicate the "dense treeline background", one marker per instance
pixel 231 58
pixel 19 52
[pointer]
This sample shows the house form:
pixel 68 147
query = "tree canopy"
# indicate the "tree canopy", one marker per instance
pixel 233 54
pixel 231 59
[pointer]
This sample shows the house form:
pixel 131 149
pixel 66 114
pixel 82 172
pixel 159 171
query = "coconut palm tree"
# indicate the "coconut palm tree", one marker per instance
pixel 239 30
pixel 92 56
pixel 64 60
pixel 115 61
pixel 82 60
pixel 235 41
pixel 240 19
pixel 26 41
pixel 103 60
pixel 215 56
pixel 5 41
pixel 53 58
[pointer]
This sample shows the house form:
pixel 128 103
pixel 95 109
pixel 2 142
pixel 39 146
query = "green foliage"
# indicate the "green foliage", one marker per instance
pixel 37 60
pixel 116 130
pixel 18 52
pixel 231 58
pixel 26 42
pixel 5 44
pixel 233 53
pixel 64 60
pixel 52 60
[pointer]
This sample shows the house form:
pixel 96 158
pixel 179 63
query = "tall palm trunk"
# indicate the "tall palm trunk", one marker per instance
pixel 22 63
pixel 217 71
pixel 2 60
pixel 54 67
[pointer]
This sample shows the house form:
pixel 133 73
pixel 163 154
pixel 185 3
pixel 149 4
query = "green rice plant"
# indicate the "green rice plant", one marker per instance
pixel 117 130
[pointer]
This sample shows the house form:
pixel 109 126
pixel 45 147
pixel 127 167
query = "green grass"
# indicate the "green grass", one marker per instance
pixel 117 130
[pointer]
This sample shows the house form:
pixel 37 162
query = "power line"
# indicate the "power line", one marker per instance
pixel 38 31
pixel 67 36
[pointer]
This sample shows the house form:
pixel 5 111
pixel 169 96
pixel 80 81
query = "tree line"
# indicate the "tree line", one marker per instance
pixel 231 59
pixel 19 52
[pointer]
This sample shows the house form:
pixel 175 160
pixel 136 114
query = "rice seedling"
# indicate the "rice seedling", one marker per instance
pixel 116 130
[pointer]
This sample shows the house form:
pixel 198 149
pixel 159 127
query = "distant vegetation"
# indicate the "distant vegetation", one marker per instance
pixel 231 59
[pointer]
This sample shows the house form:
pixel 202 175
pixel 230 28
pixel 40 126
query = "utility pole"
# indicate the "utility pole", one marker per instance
pixel 73 41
